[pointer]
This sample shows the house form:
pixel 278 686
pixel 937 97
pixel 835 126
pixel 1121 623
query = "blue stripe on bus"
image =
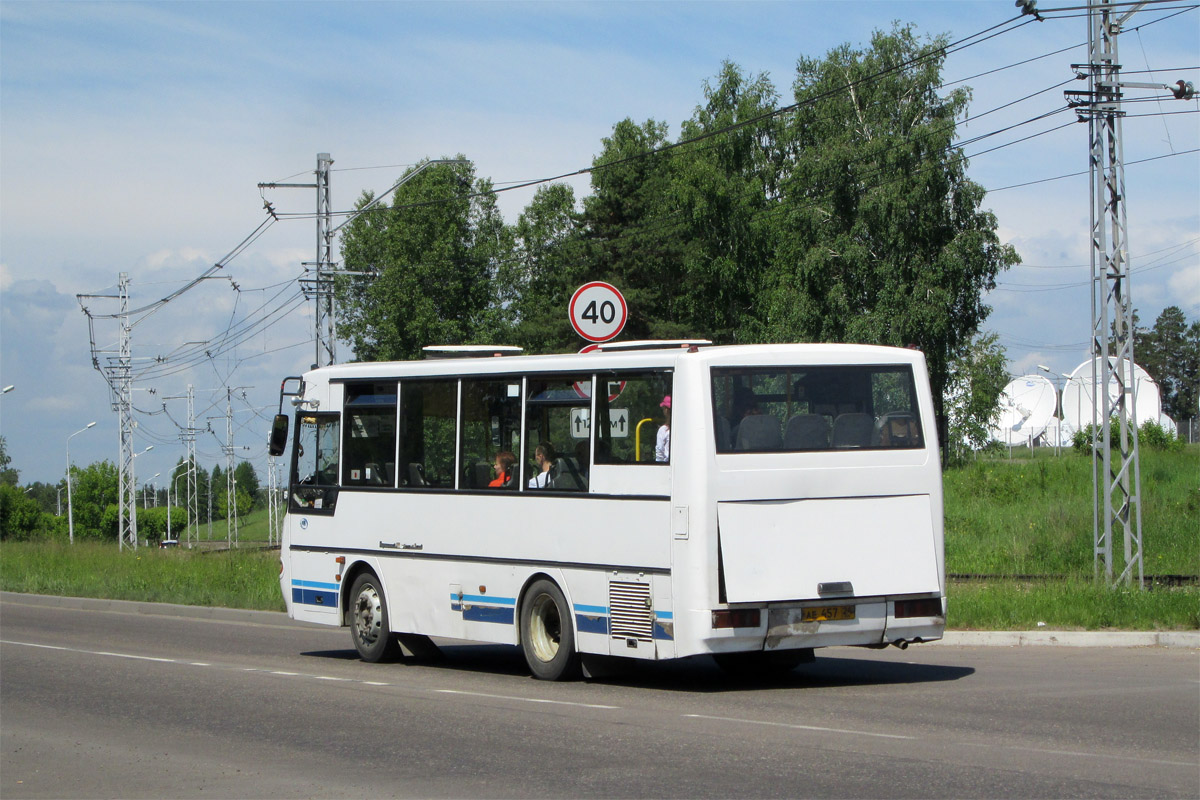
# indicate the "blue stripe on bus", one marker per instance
pixel 315 597
pixel 662 632
pixel 582 609
pixel 333 587
pixel 498 614
pixel 589 623
pixel 483 598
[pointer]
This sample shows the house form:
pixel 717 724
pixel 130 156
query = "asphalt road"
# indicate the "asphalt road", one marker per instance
pixel 113 703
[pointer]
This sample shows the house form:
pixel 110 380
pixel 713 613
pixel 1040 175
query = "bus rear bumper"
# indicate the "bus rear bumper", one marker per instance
pixel 790 627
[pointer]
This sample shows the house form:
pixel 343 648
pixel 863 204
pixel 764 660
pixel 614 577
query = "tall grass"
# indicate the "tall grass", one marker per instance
pixel 1072 604
pixel 1029 515
pixel 1033 515
pixel 231 579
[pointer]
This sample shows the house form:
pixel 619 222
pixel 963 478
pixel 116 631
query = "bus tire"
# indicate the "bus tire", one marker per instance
pixel 547 635
pixel 368 618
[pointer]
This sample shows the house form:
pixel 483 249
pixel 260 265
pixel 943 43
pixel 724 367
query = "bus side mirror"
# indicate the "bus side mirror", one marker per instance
pixel 279 432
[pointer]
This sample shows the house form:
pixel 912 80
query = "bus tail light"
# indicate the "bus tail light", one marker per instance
pixel 927 607
pixel 736 618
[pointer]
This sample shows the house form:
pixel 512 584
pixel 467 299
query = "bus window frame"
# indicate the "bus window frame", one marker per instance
pixel 330 492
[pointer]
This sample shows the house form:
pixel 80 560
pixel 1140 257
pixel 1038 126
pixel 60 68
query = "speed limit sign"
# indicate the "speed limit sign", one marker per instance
pixel 598 311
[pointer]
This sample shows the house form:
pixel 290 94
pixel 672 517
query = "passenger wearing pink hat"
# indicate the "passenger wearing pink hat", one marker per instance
pixel 662 445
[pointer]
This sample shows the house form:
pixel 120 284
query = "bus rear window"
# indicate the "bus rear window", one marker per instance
pixel 798 409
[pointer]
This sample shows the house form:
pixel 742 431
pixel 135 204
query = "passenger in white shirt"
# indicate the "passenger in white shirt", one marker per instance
pixel 662 444
pixel 545 457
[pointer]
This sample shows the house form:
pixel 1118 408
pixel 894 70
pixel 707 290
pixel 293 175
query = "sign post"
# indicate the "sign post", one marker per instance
pixel 598 311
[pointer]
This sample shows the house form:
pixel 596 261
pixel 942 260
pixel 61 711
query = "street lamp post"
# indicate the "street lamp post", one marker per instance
pixel 1057 405
pixel 174 483
pixel 70 516
pixel 133 509
pixel 154 489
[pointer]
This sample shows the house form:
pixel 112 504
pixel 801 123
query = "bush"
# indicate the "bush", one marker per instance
pixel 1156 437
pixel 1150 434
pixel 20 514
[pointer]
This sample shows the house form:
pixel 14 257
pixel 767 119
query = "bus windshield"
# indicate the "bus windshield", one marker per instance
pixel 795 409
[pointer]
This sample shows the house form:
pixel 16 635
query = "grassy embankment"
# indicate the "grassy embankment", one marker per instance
pixel 247 577
pixel 1027 521
pixel 1031 516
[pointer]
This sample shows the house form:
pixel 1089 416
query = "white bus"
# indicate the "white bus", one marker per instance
pixel 798 505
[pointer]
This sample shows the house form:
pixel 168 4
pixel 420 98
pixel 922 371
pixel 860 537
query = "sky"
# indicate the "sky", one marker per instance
pixel 133 137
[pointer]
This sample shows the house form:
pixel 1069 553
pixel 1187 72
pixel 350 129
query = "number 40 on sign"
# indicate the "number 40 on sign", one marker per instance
pixel 598 311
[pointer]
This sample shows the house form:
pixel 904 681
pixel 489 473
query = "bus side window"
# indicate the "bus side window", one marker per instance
pixel 491 424
pixel 428 409
pixel 369 445
pixel 631 411
pixel 556 415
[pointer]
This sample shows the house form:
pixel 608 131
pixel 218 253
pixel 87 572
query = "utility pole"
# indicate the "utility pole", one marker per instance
pixel 122 381
pixel 230 483
pixel 320 286
pixel 193 498
pixel 1116 471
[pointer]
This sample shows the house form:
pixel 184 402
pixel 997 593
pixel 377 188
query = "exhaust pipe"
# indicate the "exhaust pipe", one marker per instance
pixel 901 643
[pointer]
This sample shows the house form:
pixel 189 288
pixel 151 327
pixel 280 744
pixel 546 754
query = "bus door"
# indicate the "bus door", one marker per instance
pixel 312 501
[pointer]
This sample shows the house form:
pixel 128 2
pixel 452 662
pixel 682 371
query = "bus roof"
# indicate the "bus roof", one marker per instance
pixel 716 355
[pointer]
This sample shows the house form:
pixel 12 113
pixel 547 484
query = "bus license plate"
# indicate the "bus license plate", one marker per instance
pixel 826 613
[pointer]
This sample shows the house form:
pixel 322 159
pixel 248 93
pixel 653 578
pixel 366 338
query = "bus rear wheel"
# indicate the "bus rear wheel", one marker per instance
pixel 368 618
pixel 547 636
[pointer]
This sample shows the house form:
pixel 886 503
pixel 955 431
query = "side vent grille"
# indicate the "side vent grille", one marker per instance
pixel 630 612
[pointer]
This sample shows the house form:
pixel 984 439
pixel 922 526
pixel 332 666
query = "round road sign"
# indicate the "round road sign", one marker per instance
pixel 598 311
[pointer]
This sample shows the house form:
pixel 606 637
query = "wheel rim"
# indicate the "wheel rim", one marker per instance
pixel 368 615
pixel 545 628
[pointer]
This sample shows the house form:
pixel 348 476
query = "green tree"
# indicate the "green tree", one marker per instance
pixel 726 187
pixel 243 500
pixel 883 237
pixel 546 266
pixel 246 480
pixel 976 379
pixel 216 486
pixel 427 265
pixel 19 513
pixel 633 232
pixel 8 475
pixel 1170 353
pixel 94 490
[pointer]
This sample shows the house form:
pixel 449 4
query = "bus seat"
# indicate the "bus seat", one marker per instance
pixel 853 430
pixel 481 475
pixel 566 476
pixel 897 429
pixel 759 432
pixel 372 474
pixel 806 432
pixel 416 475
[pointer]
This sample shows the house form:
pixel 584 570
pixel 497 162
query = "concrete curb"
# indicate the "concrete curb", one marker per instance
pixel 1048 638
pixel 1040 638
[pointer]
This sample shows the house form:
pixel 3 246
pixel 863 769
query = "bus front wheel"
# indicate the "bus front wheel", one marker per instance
pixel 368 614
pixel 547 636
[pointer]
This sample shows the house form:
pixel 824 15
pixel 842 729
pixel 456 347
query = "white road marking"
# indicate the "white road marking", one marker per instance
pixel 799 727
pixel 183 662
pixel 1079 754
pixel 525 699
pixel 287 674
